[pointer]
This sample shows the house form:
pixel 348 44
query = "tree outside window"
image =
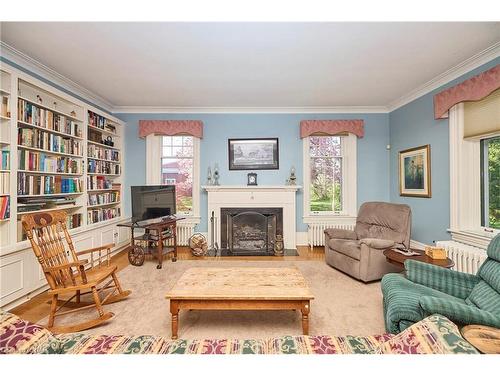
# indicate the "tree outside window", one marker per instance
pixel 490 187
pixel 325 158
pixel 177 169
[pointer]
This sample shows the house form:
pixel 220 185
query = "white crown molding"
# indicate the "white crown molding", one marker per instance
pixel 36 67
pixel 457 71
pixel 159 109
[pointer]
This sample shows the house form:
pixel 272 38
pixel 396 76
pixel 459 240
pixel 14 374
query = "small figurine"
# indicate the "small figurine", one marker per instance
pixel 216 174
pixel 279 246
pixel 73 113
pixel 209 176
pixel 292 178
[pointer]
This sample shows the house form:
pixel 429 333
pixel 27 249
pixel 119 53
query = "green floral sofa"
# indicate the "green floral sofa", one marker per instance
pixel 433 335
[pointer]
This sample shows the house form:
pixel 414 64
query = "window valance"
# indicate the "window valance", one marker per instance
pixel 171 127
pixel 473 89
pixel 331 127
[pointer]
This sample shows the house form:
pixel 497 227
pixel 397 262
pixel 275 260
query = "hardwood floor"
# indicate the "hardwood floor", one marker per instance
pixel 38 307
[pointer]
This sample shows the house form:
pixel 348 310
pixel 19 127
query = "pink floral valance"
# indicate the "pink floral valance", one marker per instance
pixel 170 127
pixel 473 89
pixel 332 127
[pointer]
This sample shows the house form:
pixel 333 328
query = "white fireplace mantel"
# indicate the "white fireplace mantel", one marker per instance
pixel 244 196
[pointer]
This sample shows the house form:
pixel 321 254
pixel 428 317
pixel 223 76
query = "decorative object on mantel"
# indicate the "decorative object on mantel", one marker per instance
pixel 252 179
pixel 171 127
pixel 279 247
pixel 209 176
pixel 415 172
pixel 198 244
pixel 73 113
pixel 292 180
pixel 472 89
pixel 253 153
pixel 216 175
pixel 331 127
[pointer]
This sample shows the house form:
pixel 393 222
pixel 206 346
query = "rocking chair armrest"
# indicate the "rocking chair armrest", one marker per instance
pixel 80 263
pixel 104 247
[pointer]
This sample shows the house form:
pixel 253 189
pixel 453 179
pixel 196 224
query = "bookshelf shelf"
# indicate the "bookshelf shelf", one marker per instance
pixel 103 174
pixel 40 105
pixel 90 207
pixel 4 91
pixel 103 145
pixel 103 131
pixel 48 195
pixel 50 173
pixel 109 161
pixel 51 209
pixel 49 152
pixel 5 118
pixel 62 134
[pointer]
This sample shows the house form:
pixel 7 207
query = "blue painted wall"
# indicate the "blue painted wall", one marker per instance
pixel 373 158
pixel 413 125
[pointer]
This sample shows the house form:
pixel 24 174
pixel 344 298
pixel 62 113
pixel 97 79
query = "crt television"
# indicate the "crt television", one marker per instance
pixel 152 201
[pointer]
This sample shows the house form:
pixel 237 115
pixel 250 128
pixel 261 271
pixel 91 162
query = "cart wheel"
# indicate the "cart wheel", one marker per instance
pixel 136 255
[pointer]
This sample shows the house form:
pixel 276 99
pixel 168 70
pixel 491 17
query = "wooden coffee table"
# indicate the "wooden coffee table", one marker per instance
pixel 399 259
pixel 242 288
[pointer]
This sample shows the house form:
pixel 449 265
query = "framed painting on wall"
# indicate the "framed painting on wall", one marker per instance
pixel 415 172
pixel 253 153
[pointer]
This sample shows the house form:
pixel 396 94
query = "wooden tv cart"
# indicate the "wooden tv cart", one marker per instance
pixel 152 241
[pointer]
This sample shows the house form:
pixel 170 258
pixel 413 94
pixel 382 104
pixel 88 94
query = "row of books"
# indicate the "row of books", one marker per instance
pixel 74 221
pixel 94 151
pixel 4 183
pixel 5 162
pixel 101 214
pixel 101 122
pixel 4 207
pixel 103 198
pixel 98 182
pixel 48 141
pixel 38 161
pixel 105 167
pixel 30 113
pixel 39 184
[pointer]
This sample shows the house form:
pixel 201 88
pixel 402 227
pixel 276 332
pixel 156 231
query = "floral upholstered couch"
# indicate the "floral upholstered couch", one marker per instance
pixel 435 334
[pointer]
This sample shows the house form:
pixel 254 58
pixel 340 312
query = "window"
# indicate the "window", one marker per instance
pixel 325 184
pixel 177 154
pixel 490 183
pixel 329 163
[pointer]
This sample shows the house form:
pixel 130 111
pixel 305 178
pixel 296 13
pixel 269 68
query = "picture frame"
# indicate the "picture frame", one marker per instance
pixel 253 153
pixel 415 172
pixel 252 179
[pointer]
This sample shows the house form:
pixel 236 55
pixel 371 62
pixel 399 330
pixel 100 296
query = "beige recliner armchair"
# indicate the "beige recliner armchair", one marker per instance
pixel 359 253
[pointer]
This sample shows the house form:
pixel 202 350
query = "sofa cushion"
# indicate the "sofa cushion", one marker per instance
pixel 22 337
pixel 493 250
pixel 347 247
pixel 490 273
pixel 433 335
pixel 485 297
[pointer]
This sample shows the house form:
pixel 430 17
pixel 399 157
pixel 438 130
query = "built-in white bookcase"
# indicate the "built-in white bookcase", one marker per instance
pixel 70 147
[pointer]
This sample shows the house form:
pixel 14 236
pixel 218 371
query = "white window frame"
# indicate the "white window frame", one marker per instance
pixel 153 171
pixel 349 184
pixel 465 185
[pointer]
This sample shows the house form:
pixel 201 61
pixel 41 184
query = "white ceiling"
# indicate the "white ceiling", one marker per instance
pixel 250 64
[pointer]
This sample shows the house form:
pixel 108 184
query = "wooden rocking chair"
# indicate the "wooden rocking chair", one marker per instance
pixel 66 274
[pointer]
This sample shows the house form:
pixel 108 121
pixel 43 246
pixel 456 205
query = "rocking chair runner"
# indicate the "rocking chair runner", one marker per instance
pixel 66 273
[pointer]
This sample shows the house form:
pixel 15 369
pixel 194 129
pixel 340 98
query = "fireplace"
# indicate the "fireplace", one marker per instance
pixel 250 231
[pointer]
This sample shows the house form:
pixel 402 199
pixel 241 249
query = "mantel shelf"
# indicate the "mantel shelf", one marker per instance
pixel 210 188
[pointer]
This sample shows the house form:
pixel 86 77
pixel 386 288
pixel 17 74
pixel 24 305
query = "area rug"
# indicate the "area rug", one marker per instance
pixel 342 306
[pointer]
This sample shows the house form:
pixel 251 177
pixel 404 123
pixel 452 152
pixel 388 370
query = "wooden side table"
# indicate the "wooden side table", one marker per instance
pixel 483 338
pixel 398 259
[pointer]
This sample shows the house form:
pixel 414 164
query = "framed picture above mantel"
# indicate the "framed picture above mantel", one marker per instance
pixel 415 172
pixel 253 153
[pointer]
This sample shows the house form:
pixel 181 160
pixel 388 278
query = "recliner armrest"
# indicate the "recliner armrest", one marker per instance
pixel 457 284
pixel 459 312
pixel 378 243
pixel 341 234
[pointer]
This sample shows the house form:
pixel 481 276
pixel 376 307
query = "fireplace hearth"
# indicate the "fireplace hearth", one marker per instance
pixel 250 231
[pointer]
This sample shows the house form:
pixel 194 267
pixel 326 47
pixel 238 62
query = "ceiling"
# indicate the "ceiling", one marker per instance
pixel 250 64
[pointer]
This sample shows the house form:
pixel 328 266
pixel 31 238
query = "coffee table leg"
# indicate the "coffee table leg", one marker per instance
pixel 174 310
pixel 305 318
